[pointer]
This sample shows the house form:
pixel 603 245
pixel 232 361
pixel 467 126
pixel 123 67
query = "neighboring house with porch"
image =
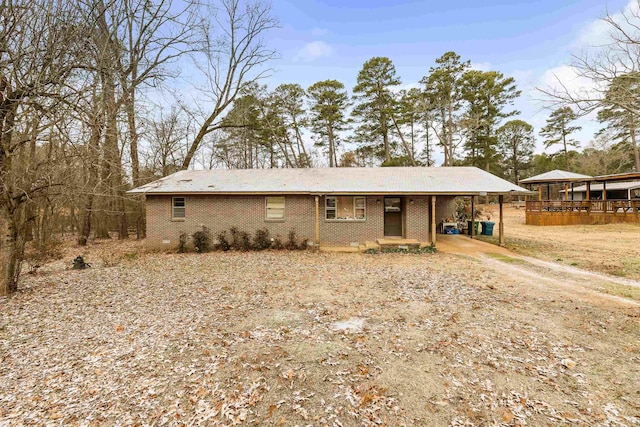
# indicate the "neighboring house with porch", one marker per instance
pixel 328 206
pixel 566 198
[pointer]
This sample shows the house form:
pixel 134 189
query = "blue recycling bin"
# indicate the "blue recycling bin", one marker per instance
pixel 487 228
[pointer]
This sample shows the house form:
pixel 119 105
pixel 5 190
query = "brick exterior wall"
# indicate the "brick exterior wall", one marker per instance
pixel 220 213
pixel 247 213
pixel 445 208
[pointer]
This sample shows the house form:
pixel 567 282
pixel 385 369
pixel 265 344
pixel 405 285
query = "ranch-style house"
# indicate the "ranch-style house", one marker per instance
pixel 327 206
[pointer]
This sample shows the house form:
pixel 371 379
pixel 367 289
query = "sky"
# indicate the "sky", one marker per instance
pixel 529 40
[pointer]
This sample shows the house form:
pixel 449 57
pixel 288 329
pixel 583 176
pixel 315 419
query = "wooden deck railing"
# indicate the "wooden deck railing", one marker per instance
pixel 619 206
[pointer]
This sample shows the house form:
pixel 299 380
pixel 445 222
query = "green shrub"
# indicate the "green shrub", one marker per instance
pixel 202 240
pixel 223 243
pixel 304 245
pixel 235 238
pixel 277 243
pixel 261 240
pixel 244 241
pixel 182 243
pixel 292 240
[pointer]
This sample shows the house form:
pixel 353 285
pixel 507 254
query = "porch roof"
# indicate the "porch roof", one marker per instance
pixel 626 176
pixel 556 176
pixel 379 181
pixel 610 186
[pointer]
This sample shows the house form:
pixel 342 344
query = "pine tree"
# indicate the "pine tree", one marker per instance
pixel 620 106
pixel 516 144
pixel 558 130
pixel 443 94
pixel 486 94
pixel 328 102
pixel 375 104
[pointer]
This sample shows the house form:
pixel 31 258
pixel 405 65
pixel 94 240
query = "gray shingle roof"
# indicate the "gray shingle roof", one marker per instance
pixel 556 176
pixel 610 186
pixel 393 180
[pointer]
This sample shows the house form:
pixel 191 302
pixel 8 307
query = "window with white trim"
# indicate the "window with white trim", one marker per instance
pixel 345 208
pixel 178 207
pixel 274 208
pixel 359 207
pixel 330 205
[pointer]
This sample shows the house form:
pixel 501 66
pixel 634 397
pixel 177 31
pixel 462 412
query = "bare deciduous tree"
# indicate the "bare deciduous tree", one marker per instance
pixel 231 60
pixel 37 48
pixel 601 69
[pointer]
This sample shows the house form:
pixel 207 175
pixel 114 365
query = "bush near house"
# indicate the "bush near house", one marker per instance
pixel 240 240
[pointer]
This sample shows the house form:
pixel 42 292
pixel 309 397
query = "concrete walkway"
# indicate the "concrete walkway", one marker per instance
pixel 464 245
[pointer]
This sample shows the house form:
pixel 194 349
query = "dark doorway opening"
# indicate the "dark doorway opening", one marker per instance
pixel 393 207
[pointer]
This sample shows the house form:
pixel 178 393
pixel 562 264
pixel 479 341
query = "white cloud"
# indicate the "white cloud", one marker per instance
pixel 564 77
pixel 481 66
pixel 598 33
pixel 522 77
pixel 312 51
pixel 319 32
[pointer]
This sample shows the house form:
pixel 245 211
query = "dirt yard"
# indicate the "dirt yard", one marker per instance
pixel 607 248
pixel 300 338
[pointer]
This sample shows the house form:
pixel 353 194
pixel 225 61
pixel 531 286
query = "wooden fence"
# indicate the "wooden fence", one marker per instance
pixel 560 212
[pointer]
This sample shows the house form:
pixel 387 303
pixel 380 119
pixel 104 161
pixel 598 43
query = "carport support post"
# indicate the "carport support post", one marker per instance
pixel 317 239
pixel 501 224
pixel 473 216
pixel 433 221
pixel 572 191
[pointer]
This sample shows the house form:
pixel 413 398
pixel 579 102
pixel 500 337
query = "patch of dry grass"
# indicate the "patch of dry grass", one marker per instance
pixel 605 248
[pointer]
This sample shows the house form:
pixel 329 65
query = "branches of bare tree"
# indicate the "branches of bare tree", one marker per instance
pixel 231 60
pixel 606 77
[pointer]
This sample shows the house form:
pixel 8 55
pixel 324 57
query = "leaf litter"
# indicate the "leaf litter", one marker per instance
pixel 289 338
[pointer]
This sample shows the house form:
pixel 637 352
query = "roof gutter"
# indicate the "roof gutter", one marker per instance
pixel 338 193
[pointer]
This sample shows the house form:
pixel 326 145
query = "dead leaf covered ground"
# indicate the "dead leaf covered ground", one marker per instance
pixel 300 338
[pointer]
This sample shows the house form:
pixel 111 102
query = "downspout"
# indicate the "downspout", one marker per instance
pixel 473 216
pixel 501 224
pixel 433 220
pixel 317 225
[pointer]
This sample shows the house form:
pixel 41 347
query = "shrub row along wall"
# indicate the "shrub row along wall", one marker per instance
pixel 247 213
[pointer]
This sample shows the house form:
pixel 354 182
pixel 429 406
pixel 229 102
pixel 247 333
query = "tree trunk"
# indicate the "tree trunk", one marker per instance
pixel 515 165
pixel 404 142
pixel 331 145
pixel 129 102
pixel 101 221
pixel 566 153
pixel 86 221
pixel 636 152
pixel 109 57
pixel 445 139
pixel 96 125
pixel 427 146
pixel 450 135
pixel 385 139
pixel 12 253
pixel 112 155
